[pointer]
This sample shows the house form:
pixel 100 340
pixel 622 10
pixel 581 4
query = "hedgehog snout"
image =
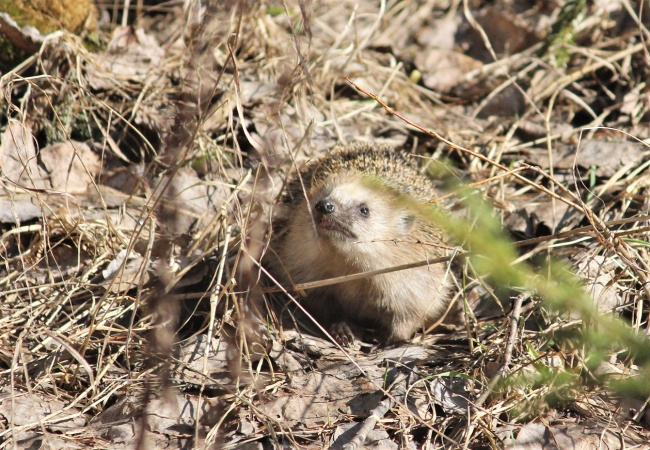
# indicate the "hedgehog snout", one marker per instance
pixel 325 206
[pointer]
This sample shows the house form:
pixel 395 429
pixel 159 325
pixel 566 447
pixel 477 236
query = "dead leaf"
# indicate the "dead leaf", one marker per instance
pixel 25 38
pixel 29 410
pixel 312 399
pixel 191 363
pixel 540 216
pixel 572 437
pixel 609 157
pixel 18 159
pixel 451 394
pixel 606 157
pixel 72 166
pixel 188 199
pixel 597 272
pixel 117 422
pixel 119 279
pixel 440 34
pixel 377 439
pixel 505 31
pixel 442 70
pixel 18 208
pixel 131 54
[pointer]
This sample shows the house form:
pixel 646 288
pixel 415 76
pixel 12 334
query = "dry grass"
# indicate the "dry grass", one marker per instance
pixel 195 118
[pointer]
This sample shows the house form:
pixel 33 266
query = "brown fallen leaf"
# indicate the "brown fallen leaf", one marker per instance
pixel 72 166
pixel 131 54
pixel 18 159
pixel 125 272
pixel 442 70
pixel 598 273
pixel 581 436
pixel 26 38
pixel 27 410
pixel 18 208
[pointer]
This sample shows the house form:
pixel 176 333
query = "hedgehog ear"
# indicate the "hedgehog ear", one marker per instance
pixel 407 221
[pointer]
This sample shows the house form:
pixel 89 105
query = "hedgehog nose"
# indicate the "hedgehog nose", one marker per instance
pixel 325 207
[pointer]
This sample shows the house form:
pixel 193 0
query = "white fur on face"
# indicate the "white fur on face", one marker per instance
pixel 368 213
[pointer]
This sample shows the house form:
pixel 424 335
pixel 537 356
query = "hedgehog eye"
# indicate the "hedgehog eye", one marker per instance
pixel 364 211
pixel 407 221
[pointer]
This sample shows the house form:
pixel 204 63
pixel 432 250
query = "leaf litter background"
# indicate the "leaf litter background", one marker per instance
pixel 139 178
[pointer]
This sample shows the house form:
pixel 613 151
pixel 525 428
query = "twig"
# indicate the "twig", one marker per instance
pixel 507 358
pixel 507 355
pixel 397 389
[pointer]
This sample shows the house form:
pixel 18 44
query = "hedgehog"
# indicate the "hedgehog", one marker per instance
pixel 361 208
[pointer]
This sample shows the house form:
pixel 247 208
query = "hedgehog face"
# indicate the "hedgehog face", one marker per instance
pixel 350 212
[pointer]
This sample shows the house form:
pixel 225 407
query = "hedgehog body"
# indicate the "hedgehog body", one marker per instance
pixel 363 208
